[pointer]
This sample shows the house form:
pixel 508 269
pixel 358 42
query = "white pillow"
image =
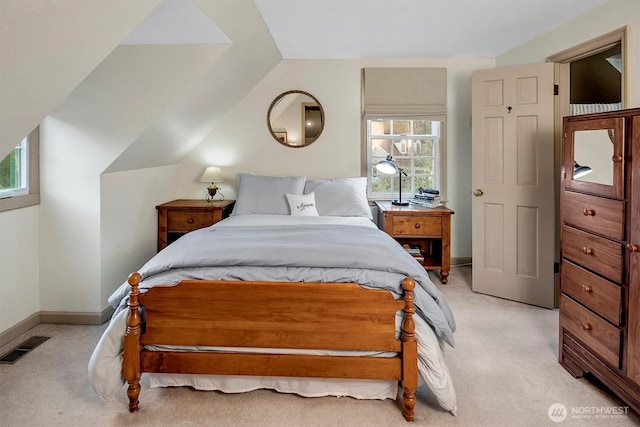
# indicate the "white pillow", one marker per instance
pixel 304 205
pixel 259 194
pixel 340 196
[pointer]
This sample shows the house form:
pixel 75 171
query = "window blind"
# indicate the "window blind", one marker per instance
pixel 404 92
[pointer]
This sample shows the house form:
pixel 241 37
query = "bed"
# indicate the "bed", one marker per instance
pixel 297 291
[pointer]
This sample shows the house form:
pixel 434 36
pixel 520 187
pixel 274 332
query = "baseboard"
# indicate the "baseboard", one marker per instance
pixel 15 331
pixel 460 261
pixel 74 318
pixel 65 318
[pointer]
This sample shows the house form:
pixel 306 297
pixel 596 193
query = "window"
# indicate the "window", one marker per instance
pixel 404 114
pixel 19 174
pixel 13 171
pixel 415 146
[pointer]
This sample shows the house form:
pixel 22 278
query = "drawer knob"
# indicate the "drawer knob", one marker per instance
pixel 586 288
pixel 616 158
pixel 586 326
pixel 589 212
pixel 588 251
pixel 417 225
pixel 633 248
pixel 190 221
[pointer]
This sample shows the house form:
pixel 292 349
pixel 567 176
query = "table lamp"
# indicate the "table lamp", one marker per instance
pixel 212 174
pixel 389 167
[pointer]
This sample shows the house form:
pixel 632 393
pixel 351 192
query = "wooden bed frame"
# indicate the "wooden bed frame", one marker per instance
pixel 300 315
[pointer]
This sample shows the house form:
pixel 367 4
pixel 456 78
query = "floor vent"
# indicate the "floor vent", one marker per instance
pixel 12 356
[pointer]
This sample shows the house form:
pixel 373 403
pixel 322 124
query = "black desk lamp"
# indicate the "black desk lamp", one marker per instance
pixel 389 167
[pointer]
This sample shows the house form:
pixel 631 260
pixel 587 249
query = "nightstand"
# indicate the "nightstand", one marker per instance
pixel 427 229
pixel 179 217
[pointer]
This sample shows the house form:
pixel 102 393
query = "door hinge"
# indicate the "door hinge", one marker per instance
pixel 556 89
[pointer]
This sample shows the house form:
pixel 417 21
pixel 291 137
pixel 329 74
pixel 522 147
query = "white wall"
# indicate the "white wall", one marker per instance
pixel 612 16
pixel 78 141
pixel 129 221
pixel 242 142
pixel 19 261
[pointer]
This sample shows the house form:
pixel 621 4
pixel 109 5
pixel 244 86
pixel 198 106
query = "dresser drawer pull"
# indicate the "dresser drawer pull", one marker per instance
pixel 616 158
pixel 586 326
pixel 587 288
pixel 190 221
pixel 588 251
pixel 589 212
pixel 417 225
pixel 633 248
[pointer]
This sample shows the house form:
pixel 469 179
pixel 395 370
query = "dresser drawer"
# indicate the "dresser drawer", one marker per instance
pixel 595 253
pixel 416 226
pixel 183 221
pixel 591 329
pixel 598 294
pixel 596 214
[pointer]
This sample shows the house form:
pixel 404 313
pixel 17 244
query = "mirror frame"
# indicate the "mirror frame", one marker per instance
pixel 298 92
pixel 575 124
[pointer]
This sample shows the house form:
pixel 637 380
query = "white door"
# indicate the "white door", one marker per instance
pixel 513 182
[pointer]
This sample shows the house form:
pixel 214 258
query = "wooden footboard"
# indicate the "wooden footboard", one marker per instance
pixel 292 315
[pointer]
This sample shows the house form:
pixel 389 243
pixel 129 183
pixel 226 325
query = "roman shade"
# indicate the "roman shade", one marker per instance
pixel 404 92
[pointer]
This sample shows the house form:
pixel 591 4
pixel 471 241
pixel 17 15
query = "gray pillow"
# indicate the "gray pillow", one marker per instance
pixel 340 196
pixel 259 194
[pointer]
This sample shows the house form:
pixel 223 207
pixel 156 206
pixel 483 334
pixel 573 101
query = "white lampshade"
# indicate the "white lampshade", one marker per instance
pixel 212 174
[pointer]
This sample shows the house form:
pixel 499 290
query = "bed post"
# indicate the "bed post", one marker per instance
pixel 131 361
pixel 409 351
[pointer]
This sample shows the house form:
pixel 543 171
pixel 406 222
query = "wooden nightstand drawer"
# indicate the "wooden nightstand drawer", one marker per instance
pixel 591 329
pixel 189 220
pixel 598 294
pixel 416 226
pixel 179 217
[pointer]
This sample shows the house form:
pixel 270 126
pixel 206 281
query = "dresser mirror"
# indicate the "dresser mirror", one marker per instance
pixel 593 157
pixel 295 118
pixel 592 153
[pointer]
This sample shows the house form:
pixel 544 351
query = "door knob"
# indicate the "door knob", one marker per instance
pixel 478 192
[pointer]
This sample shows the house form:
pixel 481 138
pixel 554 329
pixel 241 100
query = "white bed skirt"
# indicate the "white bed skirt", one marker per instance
pixel 306 387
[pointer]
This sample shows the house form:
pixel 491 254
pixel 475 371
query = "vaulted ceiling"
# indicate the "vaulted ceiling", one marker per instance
pixel 374 28
pixel 51 51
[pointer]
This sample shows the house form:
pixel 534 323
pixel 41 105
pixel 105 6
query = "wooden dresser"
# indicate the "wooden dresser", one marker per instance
pixel 428 229
pixel 179 217
pixel 600 244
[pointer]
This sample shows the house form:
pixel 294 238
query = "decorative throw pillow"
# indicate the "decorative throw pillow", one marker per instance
pixel 304 205
pixel 340 196
pixel 259 194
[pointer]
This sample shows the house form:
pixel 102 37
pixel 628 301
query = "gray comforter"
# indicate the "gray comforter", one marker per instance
pixel 310 253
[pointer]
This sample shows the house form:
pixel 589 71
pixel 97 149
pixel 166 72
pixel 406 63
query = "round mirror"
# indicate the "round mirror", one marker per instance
pixel 295 118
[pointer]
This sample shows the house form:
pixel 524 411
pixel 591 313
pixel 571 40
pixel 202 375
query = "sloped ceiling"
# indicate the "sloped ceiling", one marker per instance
pixel 176 22
pixel 251 54
pixel 48 48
